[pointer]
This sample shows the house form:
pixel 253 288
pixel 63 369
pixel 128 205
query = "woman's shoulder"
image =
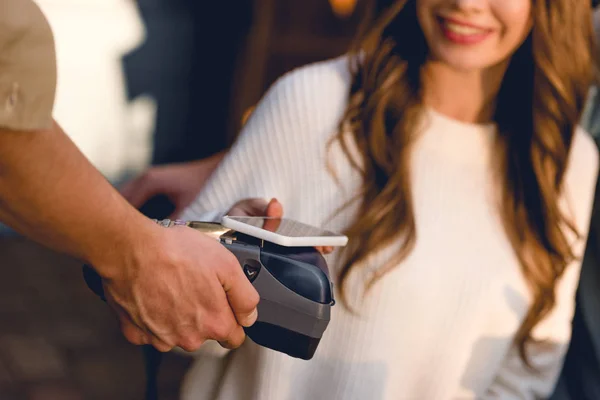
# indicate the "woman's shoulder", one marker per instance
pixel 327 78
pixel 312 97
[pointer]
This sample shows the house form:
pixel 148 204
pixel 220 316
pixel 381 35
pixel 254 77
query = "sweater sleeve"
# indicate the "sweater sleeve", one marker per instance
pixel 280 151
pixel 258 164
pixel 514 380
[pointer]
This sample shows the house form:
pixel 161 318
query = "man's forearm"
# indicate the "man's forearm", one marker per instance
pixel 52 194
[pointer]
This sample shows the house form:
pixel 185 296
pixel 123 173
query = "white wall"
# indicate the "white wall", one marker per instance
pixel 91 37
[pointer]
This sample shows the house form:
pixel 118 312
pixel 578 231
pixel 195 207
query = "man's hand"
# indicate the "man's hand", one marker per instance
pixel 182 289
pixel 181 183
pixel 170 286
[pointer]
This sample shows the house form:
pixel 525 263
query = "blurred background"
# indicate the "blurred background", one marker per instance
pixel 141 83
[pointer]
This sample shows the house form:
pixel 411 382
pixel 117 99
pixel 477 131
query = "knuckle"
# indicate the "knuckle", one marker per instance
pixel 136 342
pixel 163 343
pixel 132 336
pixel 237 341
pixel 248 304
pixel 253 300
pixel 133 339
pixel 161 346
pixel 222 329
pixel 191 344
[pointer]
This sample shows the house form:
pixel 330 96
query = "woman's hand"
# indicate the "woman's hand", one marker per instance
pixel 181 183
pixel 257 207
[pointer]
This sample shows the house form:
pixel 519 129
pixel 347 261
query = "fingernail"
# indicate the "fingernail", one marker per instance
pixel 251 318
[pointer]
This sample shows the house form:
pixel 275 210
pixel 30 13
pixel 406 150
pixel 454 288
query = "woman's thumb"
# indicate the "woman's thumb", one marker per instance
pixel 274 209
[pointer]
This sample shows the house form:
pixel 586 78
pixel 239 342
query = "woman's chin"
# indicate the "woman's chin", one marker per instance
pixel 464 61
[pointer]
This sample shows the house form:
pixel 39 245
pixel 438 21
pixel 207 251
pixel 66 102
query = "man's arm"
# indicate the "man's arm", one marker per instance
pixel 169 287
pixel 43 177
pixel 52 194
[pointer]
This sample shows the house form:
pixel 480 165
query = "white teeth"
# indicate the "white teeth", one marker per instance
pixel 462 29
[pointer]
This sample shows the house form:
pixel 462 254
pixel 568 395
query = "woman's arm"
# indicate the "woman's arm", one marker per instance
pixel 180 182
pixel 514 380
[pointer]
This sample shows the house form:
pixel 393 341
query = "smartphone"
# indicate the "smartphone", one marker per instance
pixel 284 231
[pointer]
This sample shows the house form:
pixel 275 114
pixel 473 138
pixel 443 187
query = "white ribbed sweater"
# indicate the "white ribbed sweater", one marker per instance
pixel 441 324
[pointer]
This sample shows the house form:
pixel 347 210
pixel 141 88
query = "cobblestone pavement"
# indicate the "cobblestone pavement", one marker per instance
pixel 58 341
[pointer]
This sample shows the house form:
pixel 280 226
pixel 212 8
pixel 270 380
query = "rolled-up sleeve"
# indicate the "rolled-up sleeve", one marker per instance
pixel 27 67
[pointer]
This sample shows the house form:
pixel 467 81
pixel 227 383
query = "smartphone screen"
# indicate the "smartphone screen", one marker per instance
pixel 284 227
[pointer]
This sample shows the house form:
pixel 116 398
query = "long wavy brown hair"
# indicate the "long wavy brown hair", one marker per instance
pixel 537 109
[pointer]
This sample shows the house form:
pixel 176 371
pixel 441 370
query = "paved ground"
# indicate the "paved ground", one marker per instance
pixel 59 342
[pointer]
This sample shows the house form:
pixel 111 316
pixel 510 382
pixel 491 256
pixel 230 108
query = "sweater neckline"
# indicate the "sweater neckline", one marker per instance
pixel 483 128
pixel 459 141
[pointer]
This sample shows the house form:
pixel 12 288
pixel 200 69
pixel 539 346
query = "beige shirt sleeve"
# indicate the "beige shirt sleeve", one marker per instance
pixel 27 67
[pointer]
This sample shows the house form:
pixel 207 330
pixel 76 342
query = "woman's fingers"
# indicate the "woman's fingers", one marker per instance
pixel 274 209
pixel 324 249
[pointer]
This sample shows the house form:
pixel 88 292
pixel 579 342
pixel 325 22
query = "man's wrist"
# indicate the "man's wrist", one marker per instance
pixel 124 243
